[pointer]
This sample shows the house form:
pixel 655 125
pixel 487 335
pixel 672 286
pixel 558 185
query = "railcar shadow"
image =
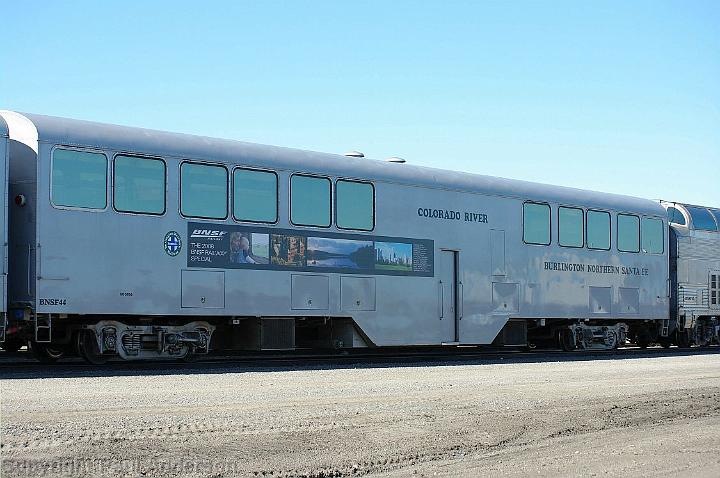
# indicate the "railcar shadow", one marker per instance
pixel 22 366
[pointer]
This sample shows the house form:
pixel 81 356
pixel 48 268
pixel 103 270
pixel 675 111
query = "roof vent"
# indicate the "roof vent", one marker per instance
pixel 355 154
pixel 395 159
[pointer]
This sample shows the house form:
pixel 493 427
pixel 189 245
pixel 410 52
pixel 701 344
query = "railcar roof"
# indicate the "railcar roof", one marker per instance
pixel 55 130
pixel 691 205
pixel 694 212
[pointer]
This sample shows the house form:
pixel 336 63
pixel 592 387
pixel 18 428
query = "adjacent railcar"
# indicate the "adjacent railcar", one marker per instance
pixel 19 170
pixel 4 153
pixel 695 272
pixel 146 244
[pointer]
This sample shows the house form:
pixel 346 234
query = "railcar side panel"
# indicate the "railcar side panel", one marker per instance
pixel 121 258
pixel 698 260
pixel 446 260
pixel 4 159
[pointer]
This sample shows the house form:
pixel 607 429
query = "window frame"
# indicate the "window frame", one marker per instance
pixel 617 232
pixel 715 213
pixel 540 203
pixel 108 179
pixel 277 194
pixel 310 175
pixel 582 215
pixel 663 227
pixel 358 181
pixel 690 209
pixel 682 214
pixel 609 216
pixel 165 179
pixel 227 186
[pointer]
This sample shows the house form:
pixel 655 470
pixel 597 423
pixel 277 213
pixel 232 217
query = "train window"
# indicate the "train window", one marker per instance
pixel 203 190
pixel 675 216
pixel 701 218
pixel 628 232
pixel 139 185
pixel 570 227
pixel 355 205
pixel 536 223
pixel 310 200
pixel 598 230
pixel 716 213
pixel 255 195
pixel 79 179
pixel 653 238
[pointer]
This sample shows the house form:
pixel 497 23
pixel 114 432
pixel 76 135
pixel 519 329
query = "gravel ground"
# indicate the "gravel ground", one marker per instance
pixel 655 416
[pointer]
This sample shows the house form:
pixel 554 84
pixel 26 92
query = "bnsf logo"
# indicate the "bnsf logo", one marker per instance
pixel 53 301
pixel 207 233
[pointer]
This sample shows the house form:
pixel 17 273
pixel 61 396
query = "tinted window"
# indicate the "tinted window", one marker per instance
pixel 139 185
pixel 203 190
pixel 254 195
pixel 355 204
pixel 628 233
pixel 653 237
pixel 598 230
pixel 79 179
pixel 701 218
pixel 716 213
pixel 310 201
pixel 536 223
pixel 570 227
pixel 675 216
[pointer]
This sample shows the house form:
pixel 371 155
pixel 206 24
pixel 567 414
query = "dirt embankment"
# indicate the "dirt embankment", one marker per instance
pixel 645 417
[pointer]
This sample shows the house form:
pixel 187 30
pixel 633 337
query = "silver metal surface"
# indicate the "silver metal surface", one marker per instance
pixel 4 153
pixel 115 263
pixel 697 259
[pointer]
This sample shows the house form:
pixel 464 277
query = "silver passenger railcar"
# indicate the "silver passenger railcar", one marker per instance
pixel 142 243
pixel 4 153
pixel 695 272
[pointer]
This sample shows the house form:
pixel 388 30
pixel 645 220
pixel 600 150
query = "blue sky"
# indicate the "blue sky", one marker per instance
pixel 617 96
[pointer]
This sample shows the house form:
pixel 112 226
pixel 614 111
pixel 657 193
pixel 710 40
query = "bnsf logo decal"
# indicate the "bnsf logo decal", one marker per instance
pixel 53 301
pixel 208 233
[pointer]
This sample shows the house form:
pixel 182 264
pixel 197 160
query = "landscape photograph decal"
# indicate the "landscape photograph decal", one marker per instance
pixel 288 250
pixel 229 246
pixel 394 256
pixel 343 253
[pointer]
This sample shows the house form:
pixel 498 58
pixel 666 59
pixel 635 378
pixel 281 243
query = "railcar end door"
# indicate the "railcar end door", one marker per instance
pixel 449 297
pixel 4 159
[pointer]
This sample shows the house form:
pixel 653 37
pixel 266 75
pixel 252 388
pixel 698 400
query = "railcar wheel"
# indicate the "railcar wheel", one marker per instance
pixel 665 342
pixel 682 338
pixel 567 340
pixel 190 357
pixel 46 353
pixel 611 341
pixel 87 348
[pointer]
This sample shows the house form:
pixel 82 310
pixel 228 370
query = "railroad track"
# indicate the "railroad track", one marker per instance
pixel 12 365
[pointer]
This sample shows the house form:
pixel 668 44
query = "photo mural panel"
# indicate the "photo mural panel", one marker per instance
pixel 229 246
